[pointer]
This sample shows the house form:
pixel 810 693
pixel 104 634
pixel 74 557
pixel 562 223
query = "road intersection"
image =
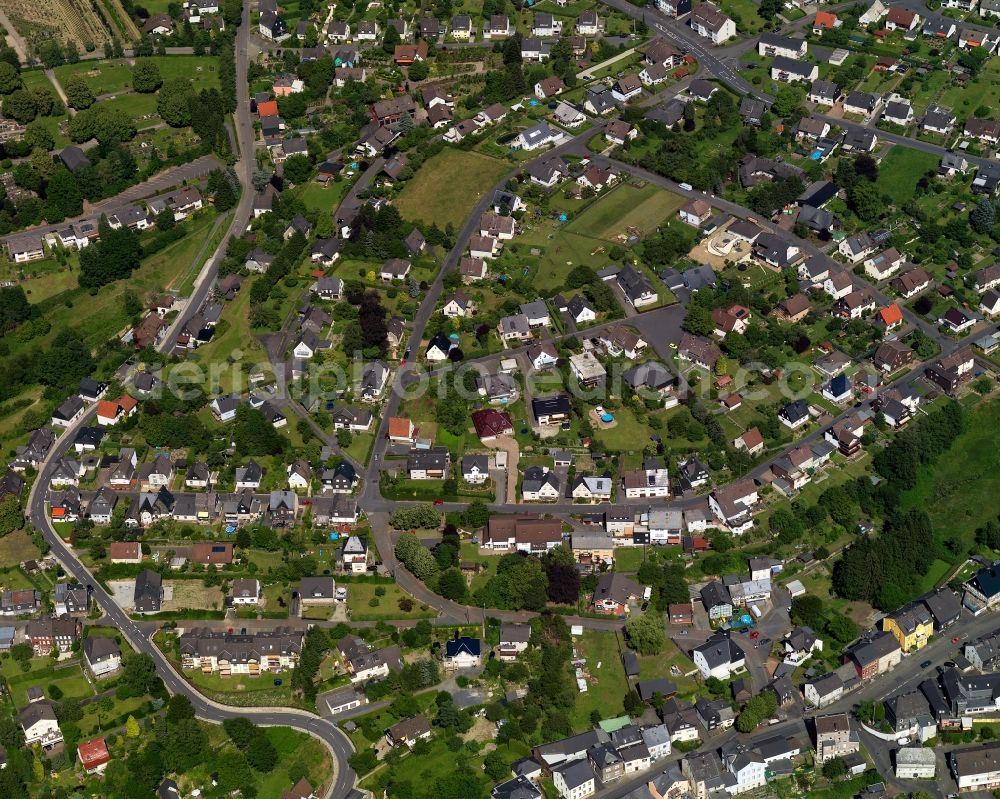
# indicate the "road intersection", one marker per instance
pixel 718 64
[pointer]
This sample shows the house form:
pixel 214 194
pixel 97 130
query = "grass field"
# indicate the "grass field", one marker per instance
pixel 448 186
pixel 959 493
pixel 15 548
pixel 324 198
pixel 360 594
pixel 586 237
pixel 35 78
pixel 983 90
pixel 900 171
pixel 70 681
pixel 624 207
pixel 141 107
pixel 628 434
pixel 628 559
pixel 607 685
pixel 104 77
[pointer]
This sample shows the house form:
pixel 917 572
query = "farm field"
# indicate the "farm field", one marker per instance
pixel 901 170
pixel 448 186
pixel 71 20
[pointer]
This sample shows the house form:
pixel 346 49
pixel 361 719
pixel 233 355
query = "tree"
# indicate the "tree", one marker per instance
pixel 644 633
pixel 139 675
pixel 146 76
pixel 419 71
pixel 78 94
pixel 864 199
pixel 261 754
pixel 38 137
pixel 11 517
pixel 179 708
pixel 983 216
pixel 755 711
pixel 633 703
pixel 496 766
pixel 20 105
pixel 10 78
pixel 698 320
pixel 451 584
pixel 297 168
pixel 234 771
pixel 253 434
pixel 835 768
pixel 131 727
pixel 63 196
pixel 390 40
pixel 173 102
pixel 787 100
pixel 476 515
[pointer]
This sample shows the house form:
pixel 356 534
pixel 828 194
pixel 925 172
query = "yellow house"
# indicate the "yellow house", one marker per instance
pixel 911 625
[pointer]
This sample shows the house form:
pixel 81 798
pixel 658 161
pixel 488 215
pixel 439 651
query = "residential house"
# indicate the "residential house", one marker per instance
pixel 720 656
pixel 709 22
pixel 874 655
pixel 462 653
pixel 834 737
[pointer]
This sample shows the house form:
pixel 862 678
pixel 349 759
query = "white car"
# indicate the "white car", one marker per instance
pixel 340 595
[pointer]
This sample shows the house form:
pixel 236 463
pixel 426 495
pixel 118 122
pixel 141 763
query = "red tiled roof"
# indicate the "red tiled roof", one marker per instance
pixel 891 315
pixel 93 753
pixel 490 423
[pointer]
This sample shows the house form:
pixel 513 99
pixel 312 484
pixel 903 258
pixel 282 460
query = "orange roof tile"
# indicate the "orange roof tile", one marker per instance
pixel 269 108
pixel 824 19
pixel 400 427
pixel 107 409
pixel 127 403
pixel 891 315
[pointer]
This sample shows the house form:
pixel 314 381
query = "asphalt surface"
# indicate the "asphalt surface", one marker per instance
pixel 343 778
pixel 338 744
pixel 717 63
pixel 158 184
pixel 244 169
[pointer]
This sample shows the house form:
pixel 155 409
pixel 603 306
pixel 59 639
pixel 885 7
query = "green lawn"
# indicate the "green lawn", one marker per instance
pixel 141 107
pixel 180 256
pixel 901 170
pixel 628 559
pixel 448 186
pixel 983 90
pixel 361 447
pixel 324 198
pixel 624 207
pixel 959 490
pixel 70 681
pixel 359 595
pixel 628 434
pixel 104 77
pixel 607 685
pixel 935 574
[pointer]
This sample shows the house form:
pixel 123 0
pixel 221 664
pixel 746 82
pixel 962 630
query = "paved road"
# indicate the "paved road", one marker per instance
pixel 340 747
pixel 687 40
pixel 244 169
pixel 158 184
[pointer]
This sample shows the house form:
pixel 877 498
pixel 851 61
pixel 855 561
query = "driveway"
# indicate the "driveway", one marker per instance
pixel 508 445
